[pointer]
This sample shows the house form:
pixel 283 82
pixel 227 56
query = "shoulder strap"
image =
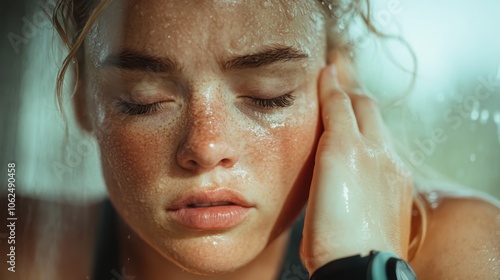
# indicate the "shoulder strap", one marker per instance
pixel 292 268
pixel 106 260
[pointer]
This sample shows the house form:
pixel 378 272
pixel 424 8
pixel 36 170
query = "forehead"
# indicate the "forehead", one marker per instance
pixel 215 27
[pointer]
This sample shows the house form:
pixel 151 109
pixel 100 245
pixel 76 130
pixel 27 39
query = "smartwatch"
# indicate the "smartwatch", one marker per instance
pixel 376 266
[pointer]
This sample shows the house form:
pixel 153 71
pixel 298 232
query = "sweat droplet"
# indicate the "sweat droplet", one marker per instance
pixel 264 4
pixel 341 25
pixel 290 12
pixel 239 43
pixel 433 199
pixel 285 30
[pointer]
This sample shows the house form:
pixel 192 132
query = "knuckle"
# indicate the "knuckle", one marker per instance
pixel 335 145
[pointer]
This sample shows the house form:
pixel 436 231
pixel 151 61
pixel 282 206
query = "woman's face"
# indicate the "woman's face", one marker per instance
pixel 206 114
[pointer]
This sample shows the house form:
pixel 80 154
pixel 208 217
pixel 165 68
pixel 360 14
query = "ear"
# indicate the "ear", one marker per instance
pixel 80 105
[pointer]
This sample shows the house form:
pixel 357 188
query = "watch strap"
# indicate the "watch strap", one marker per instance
pixel 376 266
pixel 354 267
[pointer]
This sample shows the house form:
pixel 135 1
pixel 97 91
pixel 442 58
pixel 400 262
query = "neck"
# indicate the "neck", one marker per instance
pixel 142 261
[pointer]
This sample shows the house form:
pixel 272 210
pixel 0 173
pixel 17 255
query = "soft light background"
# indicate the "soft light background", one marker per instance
pixel 457 44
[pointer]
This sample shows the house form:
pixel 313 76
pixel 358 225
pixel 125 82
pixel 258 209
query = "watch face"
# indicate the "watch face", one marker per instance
pixel 404 271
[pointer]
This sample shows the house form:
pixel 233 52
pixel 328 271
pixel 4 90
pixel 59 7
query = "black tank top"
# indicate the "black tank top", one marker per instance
pixel 106 257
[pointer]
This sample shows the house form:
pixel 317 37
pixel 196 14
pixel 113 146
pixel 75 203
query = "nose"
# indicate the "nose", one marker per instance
pixel 208 142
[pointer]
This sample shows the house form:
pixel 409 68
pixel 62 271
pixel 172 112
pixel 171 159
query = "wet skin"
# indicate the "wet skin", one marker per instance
pixel 206 68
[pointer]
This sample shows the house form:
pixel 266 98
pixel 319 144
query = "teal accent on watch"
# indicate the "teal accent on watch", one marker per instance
pixel 376 266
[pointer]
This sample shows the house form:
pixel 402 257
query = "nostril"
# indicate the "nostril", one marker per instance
pixel 206 154
pixel 191 163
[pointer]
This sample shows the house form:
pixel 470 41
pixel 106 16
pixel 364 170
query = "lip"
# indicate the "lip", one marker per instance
pixel 218 209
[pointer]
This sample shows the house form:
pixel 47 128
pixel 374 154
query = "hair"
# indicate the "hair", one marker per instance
pixel 73 20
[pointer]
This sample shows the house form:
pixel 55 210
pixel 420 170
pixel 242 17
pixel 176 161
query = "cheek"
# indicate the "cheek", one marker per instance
pixel 287 158
pixel 289 168
pixel 133 161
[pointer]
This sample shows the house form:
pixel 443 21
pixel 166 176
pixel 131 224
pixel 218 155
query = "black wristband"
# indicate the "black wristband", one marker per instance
pixel 349 268
pixel 376 266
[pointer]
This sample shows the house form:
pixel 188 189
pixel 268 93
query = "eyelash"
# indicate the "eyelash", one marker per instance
pixel 138 109
pixel 285 100
pixel 282 101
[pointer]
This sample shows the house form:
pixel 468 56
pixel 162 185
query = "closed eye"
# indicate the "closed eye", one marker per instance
pixel 138 109
pixel 285 100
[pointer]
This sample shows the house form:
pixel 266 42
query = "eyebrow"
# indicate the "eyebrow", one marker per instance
pixel 266 57
pixel 132 60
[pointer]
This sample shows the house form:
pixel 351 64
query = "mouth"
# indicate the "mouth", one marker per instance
pixel 199 205
pixel 219 209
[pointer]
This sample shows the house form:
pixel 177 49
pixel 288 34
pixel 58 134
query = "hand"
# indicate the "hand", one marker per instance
pixel 361 194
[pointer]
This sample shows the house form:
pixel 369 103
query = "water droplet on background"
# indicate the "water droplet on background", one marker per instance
pixel 474 114
pixel 485 114
pixel 472 157
pixel 496 117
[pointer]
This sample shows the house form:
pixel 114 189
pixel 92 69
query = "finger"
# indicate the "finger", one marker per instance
pixel 368 117
pixel 336 109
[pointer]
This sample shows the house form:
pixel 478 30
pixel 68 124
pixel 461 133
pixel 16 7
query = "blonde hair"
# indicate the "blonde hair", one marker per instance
pixel 73 20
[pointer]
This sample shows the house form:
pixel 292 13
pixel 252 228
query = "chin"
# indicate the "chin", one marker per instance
pixel 206 256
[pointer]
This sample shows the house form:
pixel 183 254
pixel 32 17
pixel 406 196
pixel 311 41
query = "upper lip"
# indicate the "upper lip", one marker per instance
pixel 209 197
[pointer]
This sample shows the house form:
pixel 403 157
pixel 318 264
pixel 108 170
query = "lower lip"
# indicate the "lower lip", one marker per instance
pixel 210 218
